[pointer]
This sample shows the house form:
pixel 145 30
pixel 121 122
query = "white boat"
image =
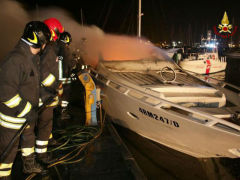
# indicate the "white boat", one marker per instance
pixel 204 61
pixel 159 101
pixel 201 60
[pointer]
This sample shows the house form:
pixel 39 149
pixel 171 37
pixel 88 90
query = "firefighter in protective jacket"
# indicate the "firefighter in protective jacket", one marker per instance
pixel 50 87
pixel 19 96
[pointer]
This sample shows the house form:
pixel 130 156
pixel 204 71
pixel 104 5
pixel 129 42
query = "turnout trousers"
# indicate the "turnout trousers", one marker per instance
pixel 44 129
pixel 26 140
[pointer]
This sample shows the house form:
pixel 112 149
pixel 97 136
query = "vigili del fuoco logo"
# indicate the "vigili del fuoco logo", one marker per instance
pixel 225 30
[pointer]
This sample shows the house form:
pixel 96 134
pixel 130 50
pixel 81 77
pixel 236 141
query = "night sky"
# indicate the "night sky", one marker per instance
pixel 162 20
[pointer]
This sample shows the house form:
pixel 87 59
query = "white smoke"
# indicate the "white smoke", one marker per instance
pixel 90 40
pixel 94 43
pixel 12 19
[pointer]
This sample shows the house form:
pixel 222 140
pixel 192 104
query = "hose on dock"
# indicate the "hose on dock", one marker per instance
pixel 74 141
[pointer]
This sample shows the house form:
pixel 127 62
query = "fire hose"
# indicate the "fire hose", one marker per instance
pixel 74 141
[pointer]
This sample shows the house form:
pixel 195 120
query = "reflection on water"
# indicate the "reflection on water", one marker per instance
pixel 160 162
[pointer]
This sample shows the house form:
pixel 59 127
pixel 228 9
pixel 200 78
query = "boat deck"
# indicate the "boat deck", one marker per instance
pixel 154 78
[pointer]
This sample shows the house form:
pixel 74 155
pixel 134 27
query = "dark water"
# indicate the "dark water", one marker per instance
pixel 233 71
pixel 160 162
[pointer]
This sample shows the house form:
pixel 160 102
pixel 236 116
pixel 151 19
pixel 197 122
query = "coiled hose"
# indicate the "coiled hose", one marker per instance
pixel 74 140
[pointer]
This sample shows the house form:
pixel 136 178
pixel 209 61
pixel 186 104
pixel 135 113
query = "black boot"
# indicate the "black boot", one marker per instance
pixel 45 158
pixel 30 165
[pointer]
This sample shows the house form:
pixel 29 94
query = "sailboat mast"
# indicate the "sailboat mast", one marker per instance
pixel 139 18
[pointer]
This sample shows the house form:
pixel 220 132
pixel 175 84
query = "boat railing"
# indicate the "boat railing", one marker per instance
pixel 225 85
pixel 220 83
pixel 157 102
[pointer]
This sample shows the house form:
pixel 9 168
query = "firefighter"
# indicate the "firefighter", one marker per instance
pixel 65 56
pixel 19 96
pixel 50 87
pixel 66 64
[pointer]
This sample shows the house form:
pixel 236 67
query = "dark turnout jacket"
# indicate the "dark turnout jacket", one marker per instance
pixel 19 86
pixel 49 73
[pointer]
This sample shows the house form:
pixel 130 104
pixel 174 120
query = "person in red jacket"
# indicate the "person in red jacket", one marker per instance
pixel 19 96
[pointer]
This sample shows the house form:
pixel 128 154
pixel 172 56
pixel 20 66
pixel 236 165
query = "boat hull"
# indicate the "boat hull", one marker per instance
pixel 203 66
pixel 168 128
pixel 137 110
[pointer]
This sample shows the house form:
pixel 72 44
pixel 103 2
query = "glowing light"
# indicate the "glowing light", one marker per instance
pixel 211 45
pixel 174 44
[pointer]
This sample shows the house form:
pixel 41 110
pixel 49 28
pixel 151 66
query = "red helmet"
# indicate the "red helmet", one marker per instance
pixel 55 27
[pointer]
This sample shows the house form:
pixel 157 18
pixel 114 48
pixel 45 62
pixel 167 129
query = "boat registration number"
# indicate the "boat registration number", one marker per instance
pixel 158 118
